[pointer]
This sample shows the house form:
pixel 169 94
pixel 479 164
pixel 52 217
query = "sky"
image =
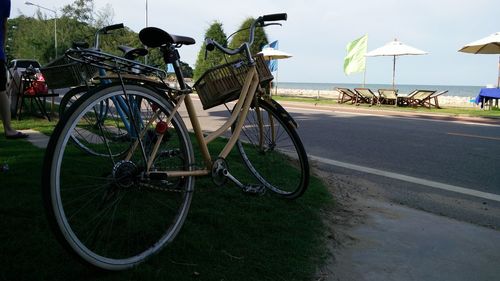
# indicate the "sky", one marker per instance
pixel 317 32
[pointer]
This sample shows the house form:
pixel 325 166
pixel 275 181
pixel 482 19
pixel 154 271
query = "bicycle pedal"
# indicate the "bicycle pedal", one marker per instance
pixel 255 189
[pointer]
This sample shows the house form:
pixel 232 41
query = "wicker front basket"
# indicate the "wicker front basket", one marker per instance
pixel 223 83
pixel 64 73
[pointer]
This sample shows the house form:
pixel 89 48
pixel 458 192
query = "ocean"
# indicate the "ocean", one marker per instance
pixel 459 91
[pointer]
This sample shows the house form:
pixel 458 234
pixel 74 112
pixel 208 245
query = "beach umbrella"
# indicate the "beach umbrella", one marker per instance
pixel 394 49
pixel 487 45
pixel 273 54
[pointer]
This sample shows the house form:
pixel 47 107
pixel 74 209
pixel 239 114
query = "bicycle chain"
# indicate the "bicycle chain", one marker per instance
pixel 154 187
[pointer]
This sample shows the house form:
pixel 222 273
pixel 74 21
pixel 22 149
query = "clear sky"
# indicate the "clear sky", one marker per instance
pixel 317 32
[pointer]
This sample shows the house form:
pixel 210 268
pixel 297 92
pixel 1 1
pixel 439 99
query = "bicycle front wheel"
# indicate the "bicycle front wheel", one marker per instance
pixel 108 211
pixel 272 150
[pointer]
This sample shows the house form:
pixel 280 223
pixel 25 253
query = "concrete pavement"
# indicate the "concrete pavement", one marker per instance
pixel 398 243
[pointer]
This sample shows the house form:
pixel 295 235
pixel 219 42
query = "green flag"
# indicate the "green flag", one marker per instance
pixel 355 60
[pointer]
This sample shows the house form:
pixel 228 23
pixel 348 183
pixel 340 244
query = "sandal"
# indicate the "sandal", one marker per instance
pixel 19 135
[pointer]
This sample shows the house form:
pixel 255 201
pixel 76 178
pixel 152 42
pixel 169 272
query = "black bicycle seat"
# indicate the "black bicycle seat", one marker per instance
pixel 132 53
pixel 154 37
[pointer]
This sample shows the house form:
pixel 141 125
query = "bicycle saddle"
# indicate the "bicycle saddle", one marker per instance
pixel 132 53
pixel 155 37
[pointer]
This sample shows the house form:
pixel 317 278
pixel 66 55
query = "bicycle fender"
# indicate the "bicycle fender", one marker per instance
pixel 282 111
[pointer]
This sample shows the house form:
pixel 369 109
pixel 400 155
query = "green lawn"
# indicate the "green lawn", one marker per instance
pixel 227 235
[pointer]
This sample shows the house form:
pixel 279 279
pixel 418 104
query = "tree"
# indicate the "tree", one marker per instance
pixel 187 71
pixel 260 38
pixel 81 10
pixel 216 32
pixel 105 16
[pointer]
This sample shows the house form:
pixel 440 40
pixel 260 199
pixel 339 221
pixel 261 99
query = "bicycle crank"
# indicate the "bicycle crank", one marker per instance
pixel 220 175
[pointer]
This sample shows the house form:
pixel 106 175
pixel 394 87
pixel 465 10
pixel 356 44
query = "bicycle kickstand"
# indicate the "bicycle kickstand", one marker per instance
pixel 220 170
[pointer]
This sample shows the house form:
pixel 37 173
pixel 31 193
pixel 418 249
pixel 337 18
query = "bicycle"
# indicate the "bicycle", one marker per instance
pixel 96 76
pixel 113 212
pixel 128 53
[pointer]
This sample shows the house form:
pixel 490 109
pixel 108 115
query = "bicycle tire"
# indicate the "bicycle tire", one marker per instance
pixel 279 163
pixel 107 211
pixel 81 136
pixel 70 97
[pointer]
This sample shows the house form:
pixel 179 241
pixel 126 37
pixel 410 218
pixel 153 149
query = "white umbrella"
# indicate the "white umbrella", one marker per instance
pixel 393 49
pixel 487 45
pixel 273 54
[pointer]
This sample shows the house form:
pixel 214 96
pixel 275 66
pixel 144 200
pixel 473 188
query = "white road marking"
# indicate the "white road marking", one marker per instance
pixel 473 136
pixel 424 182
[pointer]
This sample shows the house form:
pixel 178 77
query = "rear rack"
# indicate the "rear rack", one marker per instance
pixel 113 63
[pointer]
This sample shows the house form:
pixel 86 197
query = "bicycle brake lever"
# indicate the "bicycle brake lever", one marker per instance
pixel 272 23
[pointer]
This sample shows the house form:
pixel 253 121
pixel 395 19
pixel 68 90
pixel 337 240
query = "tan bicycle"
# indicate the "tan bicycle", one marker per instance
pixel 114 208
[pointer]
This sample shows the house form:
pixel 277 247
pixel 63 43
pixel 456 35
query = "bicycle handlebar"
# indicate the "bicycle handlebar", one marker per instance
pixel 274 17
pixel 105 30
pixel 245 47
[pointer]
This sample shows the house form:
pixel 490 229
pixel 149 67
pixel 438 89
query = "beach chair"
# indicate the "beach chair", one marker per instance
pixel 433 99
pixel 421 98
pixel 404 99
pixel 388 95
pixel 366 95
pixel 347 95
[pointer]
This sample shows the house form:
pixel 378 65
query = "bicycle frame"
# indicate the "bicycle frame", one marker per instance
pixel 239 114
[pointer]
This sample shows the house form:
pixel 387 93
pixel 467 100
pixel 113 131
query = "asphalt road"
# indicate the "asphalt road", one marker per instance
pixel 458 154
pixel 447 168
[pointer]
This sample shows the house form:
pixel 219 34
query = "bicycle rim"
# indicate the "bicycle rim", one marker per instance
pixel 70 98
pixel 273 152
pixel 106 210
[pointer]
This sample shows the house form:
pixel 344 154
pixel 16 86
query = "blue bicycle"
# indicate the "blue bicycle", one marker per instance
pixel 83 136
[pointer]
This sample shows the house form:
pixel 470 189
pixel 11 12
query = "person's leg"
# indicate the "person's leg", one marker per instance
pixel 5 114
pixel 5 105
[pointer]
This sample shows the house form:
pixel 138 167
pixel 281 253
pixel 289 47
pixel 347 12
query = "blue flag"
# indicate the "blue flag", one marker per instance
pixel 272 64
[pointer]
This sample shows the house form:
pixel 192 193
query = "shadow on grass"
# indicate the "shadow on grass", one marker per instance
pixel 227 235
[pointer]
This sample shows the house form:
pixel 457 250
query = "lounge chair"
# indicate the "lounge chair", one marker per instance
pixel 415 98
pixel 421 98
pixel 388 95
pixel 433 99
pixel 404 99
pixel 347 95
pixel 366 95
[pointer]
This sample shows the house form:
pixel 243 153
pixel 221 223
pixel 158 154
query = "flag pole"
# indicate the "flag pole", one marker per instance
pixel 498 79
pixel 364 78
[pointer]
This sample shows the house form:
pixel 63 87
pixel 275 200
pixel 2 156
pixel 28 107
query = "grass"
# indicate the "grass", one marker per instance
pixel 227 235
pixel 452 111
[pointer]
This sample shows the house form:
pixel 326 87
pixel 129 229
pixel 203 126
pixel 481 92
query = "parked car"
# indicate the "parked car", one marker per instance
pixel 16 68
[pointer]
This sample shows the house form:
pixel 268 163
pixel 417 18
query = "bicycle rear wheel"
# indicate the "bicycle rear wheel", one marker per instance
pixel 272 150
pixel 108 211
pixel 71 97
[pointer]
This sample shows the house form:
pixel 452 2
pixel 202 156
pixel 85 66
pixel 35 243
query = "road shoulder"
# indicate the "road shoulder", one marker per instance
pixel 371 238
